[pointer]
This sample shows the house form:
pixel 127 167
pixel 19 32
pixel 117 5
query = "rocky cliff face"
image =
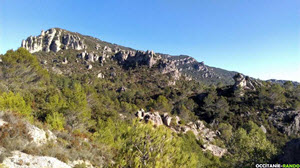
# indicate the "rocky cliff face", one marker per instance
pixel 53 40
pixel 133 58
pixel 245 82
pixel 191 68
pixel 286 121
pixel 93 50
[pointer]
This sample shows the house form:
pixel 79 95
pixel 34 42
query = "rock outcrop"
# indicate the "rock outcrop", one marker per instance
pixel 197 128
pixel 155 118
pixel 91 57
pixel 53 40
pixel 100 75
pixel 132 58
pixel 169 67
pixel 245 82
pixel 286 121
pixel 39 136
pixel 23 160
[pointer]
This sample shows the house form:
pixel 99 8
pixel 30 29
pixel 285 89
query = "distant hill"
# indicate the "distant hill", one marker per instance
pixel 281 82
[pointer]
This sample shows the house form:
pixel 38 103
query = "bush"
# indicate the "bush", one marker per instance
pixel 56 121
pixel 250 146
pixel 16 103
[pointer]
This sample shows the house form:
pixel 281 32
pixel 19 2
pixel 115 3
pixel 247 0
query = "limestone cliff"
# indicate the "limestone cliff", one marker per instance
pixel 53 40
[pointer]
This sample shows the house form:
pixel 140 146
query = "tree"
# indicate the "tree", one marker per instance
pixel 15 103
pixel 276 95
pixel 56 121
pixel 162 104
pixel 250 146
pixel 214 106
pixel 289 86
pixel 148 147
pixel 77 112
pixel 226 131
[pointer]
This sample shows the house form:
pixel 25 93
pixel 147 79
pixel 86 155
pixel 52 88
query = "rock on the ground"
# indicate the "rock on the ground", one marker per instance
pixel 57 71
pixel 150 117
pixel 166 119
pixel 65 61
pixel 23 160
pixel 263 129
pixel 79 162
pixel 39 136
pixel 100 75
pixel 215 150
pixel 89 67
pixel 2 122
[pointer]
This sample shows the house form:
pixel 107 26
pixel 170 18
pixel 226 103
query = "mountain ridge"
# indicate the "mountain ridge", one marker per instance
pixel 57 39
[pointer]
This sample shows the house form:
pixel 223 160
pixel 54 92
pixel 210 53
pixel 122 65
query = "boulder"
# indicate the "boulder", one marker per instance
pixel 177 119
pixel 39 136
pixel 122 89
pixel 2 122
pixel 79 162
pixel 90 57
pixel 166 119
pixel 89 67
pixel 140 114
pixel 65 61
pixel 154 118
pixel 215 150
pixel 100 75
pixel 97 46
pixel 96 57
pixel 263 129
pixel 44 62
pixel 57 70
pixel 106 48
pixel 23 160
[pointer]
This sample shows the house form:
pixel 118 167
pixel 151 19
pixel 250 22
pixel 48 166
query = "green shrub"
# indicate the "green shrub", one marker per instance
pixel 56 121
pixel 16 103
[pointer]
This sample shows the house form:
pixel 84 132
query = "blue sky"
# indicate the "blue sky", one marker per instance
pixel 260 38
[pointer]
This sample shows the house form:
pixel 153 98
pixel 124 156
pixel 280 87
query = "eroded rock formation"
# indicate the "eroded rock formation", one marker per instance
pixel 245 82
pixel 132 58
pixel 53 40
pixel 286 121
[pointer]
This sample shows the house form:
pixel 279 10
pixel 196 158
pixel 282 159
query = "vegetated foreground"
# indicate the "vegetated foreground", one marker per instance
pixel 69 100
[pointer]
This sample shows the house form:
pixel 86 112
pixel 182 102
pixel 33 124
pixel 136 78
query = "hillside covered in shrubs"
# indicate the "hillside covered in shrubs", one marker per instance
pixel 93 117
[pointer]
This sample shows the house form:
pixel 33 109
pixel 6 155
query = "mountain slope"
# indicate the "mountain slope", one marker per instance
pixel 57 41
